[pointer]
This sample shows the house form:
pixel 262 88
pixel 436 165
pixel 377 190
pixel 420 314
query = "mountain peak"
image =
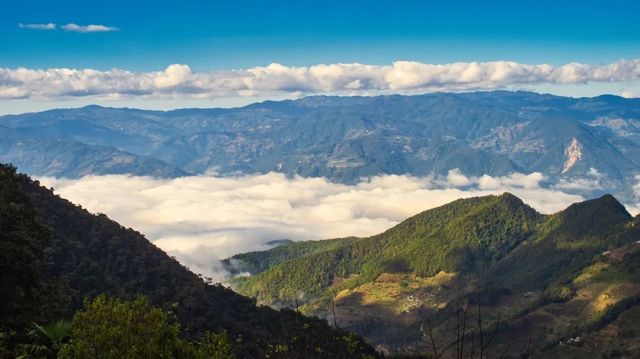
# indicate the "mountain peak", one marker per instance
pixel 510 201
pixel 93 107
pixel 596 214
pixel 465 206
pixel 608 203
pixel 510 197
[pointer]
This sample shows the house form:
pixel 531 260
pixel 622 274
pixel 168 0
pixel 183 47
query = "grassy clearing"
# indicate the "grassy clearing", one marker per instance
pixel 397 292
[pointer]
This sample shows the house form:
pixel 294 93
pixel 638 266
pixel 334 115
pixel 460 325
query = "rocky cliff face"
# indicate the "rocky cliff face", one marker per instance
pixel 573 153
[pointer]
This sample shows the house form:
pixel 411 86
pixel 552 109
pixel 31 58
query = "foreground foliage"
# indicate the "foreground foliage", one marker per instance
pixel 110 328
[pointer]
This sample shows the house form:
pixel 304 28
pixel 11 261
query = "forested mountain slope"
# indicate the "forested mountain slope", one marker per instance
pixel 55 254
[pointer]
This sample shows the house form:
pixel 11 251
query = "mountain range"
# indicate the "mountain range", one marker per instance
pixel 564 285
pixel 344 138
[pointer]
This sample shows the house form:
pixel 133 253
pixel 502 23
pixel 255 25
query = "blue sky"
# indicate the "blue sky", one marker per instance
pixel 223 35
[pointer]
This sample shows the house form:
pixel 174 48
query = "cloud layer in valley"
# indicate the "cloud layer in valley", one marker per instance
pixel 401 76
pixel 202 219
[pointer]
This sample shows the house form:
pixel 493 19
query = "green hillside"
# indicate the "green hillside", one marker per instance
pixel 539 279
pixel 564 243
pixel 463 235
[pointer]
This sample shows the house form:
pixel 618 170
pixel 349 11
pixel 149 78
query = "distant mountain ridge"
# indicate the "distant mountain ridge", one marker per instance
pixel 345 138
pixel 52 156
pixel 522 264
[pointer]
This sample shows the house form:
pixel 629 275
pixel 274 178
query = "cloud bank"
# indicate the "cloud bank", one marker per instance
pixel 180 81
pixel 202 219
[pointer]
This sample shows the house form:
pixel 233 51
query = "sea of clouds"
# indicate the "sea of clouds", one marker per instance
pixel 202 219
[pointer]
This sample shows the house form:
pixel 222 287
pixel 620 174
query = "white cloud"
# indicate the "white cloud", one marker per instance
pixel 49 26
pixel 180 81
pixel 174 75
pixel 457 179
pixel 636 187
pixel 592 182
pixel 69 27
pixel 635 208
pixel 204 218
pixel 88 28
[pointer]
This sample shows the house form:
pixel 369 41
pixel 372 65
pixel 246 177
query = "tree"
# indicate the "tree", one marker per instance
pixel 213 346
pixel 111 328
pixel 46 340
